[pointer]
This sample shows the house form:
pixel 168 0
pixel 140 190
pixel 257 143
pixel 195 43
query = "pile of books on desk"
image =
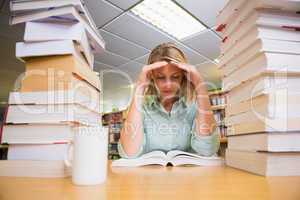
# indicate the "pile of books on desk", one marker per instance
pixel 59 91
pixel 261 70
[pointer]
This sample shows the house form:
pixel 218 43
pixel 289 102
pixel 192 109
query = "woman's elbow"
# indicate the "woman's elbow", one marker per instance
pixel 130 153
pixel 205 151
pixel 206 145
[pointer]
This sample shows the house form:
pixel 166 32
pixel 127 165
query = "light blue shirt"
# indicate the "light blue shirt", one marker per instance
pixel 172 130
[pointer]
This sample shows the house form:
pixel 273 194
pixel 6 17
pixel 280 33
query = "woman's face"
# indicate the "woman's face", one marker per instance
pixel 168 80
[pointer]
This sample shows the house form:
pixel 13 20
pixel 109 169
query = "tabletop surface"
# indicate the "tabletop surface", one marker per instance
pixel 157 182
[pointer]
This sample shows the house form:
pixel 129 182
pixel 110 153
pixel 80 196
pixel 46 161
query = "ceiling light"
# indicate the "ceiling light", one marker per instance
pixel 169 17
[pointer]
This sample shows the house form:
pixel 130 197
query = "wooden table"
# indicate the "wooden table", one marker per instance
pixel 155 182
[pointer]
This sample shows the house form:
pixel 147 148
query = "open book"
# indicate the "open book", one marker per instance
pixel 174 157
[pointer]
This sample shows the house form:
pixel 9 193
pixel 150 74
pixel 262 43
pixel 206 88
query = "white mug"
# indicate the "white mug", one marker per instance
pixel 89 155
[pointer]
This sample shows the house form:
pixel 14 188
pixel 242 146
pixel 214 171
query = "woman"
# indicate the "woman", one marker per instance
pixel 170 109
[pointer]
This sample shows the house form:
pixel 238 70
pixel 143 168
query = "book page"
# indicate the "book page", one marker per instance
pixel 151 158
pixel 204 161
pixel 154 154
pixel 176 153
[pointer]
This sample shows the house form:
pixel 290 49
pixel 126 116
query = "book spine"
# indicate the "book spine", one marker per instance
pixel 63 142
pixel 4 121
pixel 221 27
pixel 295 28
pixel 11 5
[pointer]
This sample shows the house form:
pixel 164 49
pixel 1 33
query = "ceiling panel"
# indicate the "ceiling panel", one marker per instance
pixel 206 43
pixel 143 59
pixel 192 56
pixel 98 66
pixel 111 59
pixel 102 11
pixel 133 69
pixel 124 4
pixel 121 46
pixel 206 11
pixel 136 30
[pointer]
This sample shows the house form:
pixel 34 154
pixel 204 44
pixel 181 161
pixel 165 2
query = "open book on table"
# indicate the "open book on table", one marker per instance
pixel 174 157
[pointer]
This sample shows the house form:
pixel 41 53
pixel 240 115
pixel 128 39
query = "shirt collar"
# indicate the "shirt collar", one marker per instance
pixel 153 101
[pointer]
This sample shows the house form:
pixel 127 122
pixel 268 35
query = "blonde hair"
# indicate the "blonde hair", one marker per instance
pixel 170 52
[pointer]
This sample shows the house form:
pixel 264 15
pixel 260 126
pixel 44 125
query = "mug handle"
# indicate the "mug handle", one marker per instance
pixel 69 155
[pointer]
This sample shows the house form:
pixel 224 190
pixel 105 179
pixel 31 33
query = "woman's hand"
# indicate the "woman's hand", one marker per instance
pixel 205 121
pixel 192 73
pixel 144 77
pixel 132 133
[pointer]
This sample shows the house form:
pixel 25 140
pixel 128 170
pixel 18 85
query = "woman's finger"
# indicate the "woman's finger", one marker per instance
pixel 148 68
pixel 156 65
pixel 180 65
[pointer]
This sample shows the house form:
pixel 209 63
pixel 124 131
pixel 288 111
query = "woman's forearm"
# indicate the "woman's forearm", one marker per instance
pixel 205 122
pixel 132 135
pixel 132 132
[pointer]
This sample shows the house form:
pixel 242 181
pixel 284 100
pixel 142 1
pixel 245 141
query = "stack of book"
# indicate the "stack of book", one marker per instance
pixel 260 63
pixel 59 90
